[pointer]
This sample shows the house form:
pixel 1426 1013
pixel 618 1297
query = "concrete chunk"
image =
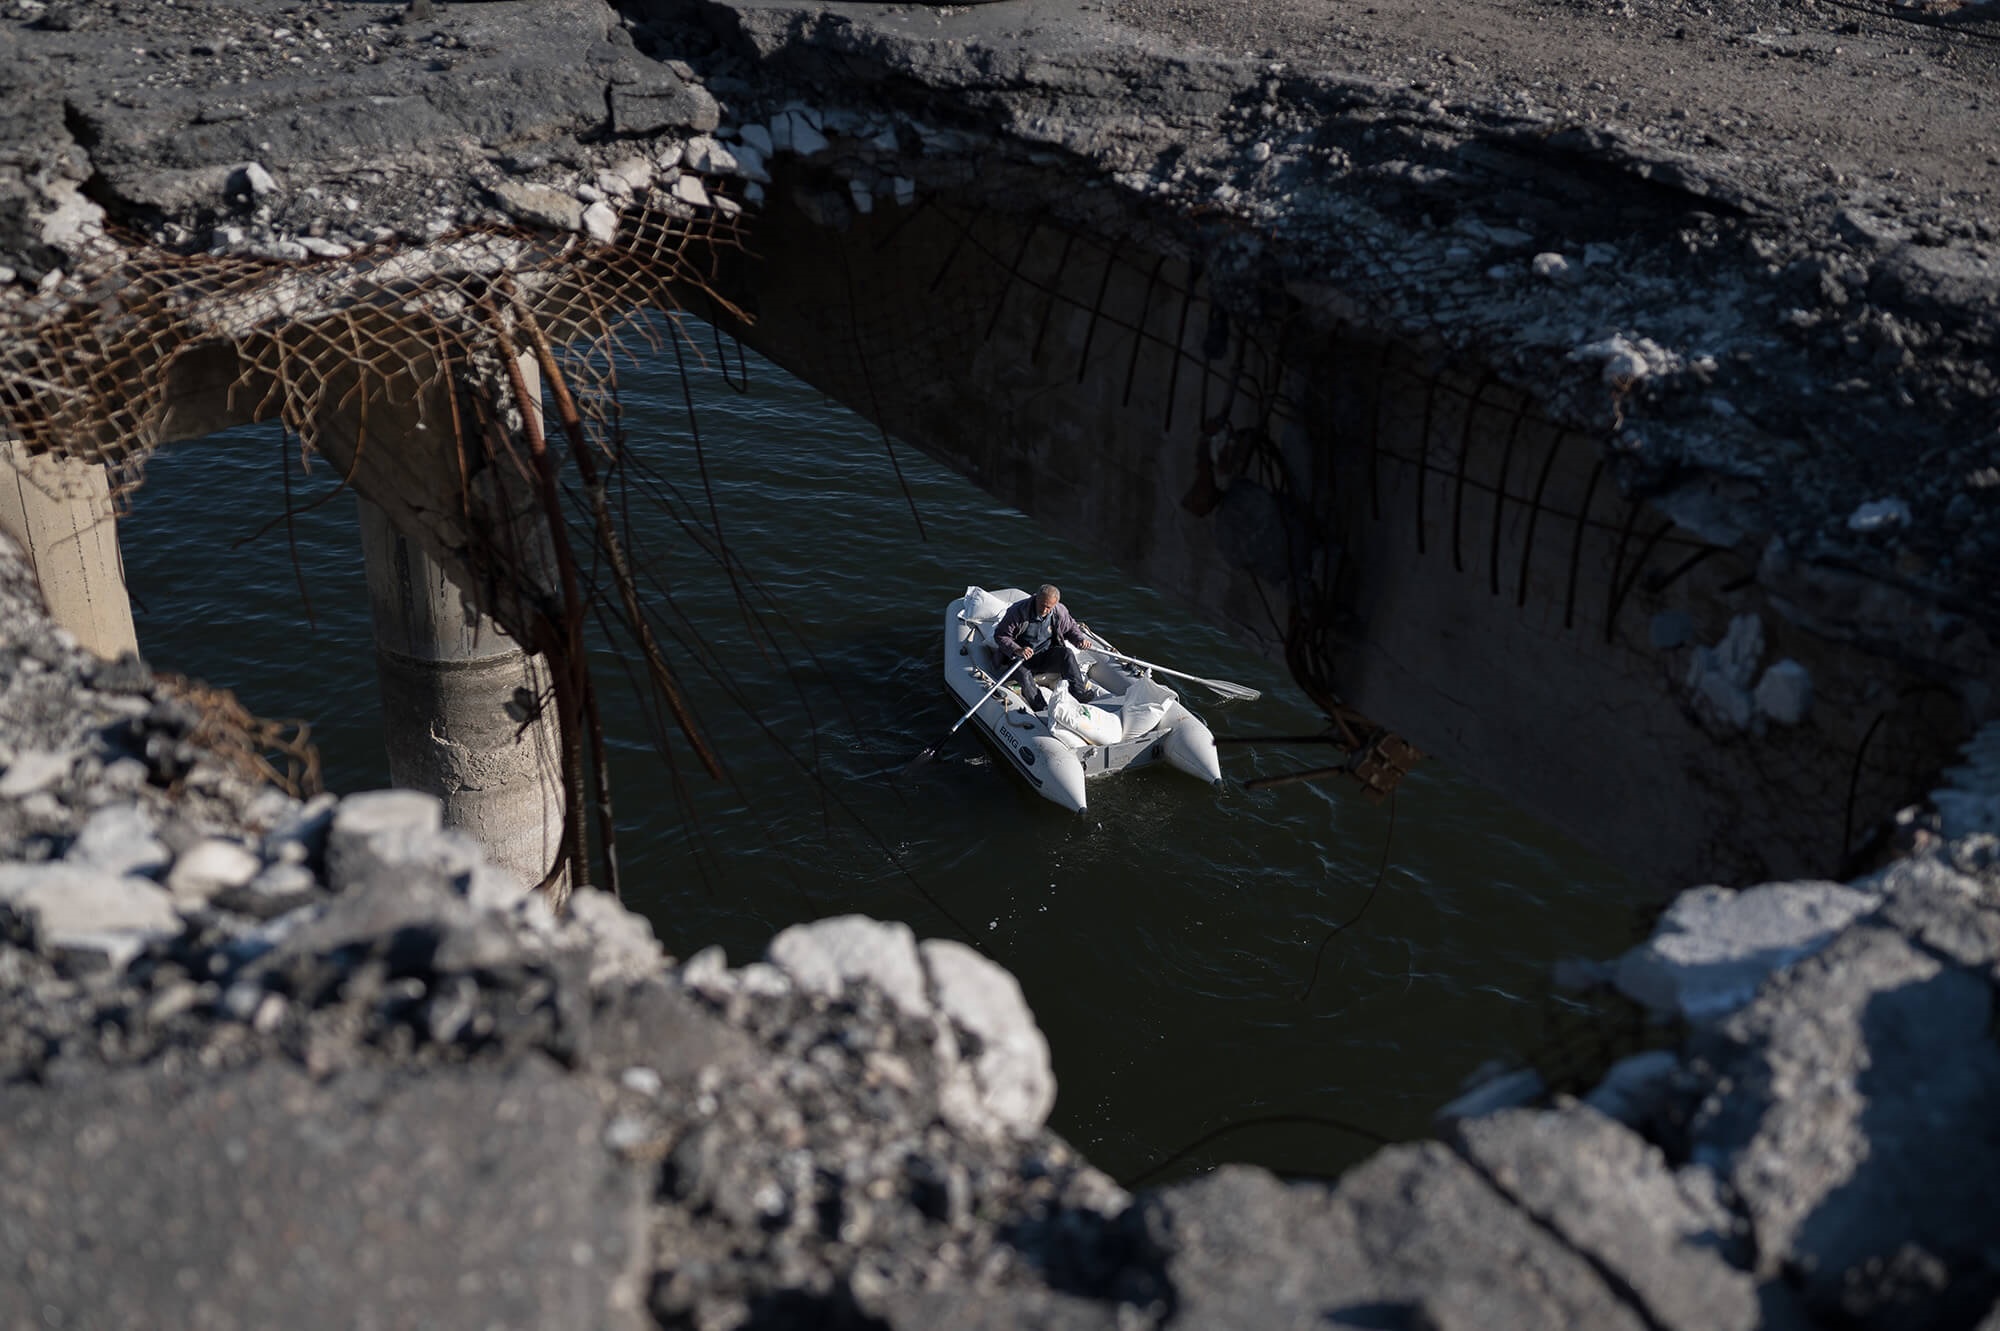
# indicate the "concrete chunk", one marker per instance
pixel 664 102
pixel 690 190
pixel 1610 1193
pixel 1634 1088
pixel 1554 267
pixel 805 139
pixel 33 770
pixel 211 866
pixel 1857 1133
pixel 635 172
pixel 1412 1234
pixel 750 164
pixel 370 913
pixel 1879 515
pixel 1017 1086
pixel 251 178
pixel 1943 910
pixel 600 222
pixel 83 908
pixel 1785 692
pixel 824 957
pixel 119 839
pixel 1720 677
pixel 301 833
pixel 623 946
pixel 539 205
pixel 704 154
pixel 1713 947
pixel 379 828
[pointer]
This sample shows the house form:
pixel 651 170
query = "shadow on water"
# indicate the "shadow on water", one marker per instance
pixel 1163 939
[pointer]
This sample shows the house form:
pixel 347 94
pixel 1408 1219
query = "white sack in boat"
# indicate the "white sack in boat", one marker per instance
pixel 982 604
pixel 1145 706
pixel 1093 725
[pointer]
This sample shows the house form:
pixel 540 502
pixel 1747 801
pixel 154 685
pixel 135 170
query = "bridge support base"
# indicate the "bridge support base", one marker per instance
pixel 468 715
pixel 59 511
pixel 466 712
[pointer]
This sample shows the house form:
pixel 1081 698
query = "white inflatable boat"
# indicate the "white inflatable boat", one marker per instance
pixel 1132 721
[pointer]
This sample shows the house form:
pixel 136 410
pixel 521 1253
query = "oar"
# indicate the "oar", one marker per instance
pixel 1221 686
pixel 931 752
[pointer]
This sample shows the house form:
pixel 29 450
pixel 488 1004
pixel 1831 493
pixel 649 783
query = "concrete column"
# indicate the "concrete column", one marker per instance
pixel 460 704
pixel 59 511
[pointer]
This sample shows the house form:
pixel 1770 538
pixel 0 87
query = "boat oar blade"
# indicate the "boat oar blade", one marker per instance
pixel 926 756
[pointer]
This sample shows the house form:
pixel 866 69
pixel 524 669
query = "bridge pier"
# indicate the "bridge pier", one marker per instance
pixel 59 511
pixel 462 704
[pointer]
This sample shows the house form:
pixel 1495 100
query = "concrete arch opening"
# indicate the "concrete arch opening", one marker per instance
pixel 1419 542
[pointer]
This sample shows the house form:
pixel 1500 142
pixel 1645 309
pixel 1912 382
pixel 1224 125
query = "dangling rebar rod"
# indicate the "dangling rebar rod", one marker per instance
pixel 566 651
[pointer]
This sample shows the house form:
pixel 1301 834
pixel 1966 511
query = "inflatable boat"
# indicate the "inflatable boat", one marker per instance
pixel 1130 720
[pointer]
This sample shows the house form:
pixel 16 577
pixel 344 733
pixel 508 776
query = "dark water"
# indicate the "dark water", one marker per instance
pixel 1164 939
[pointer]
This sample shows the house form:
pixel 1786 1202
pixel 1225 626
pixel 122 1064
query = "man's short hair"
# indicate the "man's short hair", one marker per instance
pixel 1048 589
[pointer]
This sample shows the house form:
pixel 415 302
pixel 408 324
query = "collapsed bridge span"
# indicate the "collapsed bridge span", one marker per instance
pixel 1578 454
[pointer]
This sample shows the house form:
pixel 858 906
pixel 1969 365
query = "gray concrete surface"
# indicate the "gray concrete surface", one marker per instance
pixel 350 1195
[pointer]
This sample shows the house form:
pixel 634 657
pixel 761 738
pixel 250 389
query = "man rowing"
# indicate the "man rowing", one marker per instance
pixel 1036 627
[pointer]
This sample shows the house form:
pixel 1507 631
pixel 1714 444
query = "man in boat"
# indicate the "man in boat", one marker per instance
pixel 1036 627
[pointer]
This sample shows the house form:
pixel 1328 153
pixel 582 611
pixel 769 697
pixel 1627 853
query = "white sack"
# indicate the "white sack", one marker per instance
pixel 1093 725
pixel 1146 704
pixel 981 604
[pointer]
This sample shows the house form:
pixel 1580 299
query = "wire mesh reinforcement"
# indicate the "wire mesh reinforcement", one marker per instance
pixel 93 373
pixel 251 748
pixel 354 354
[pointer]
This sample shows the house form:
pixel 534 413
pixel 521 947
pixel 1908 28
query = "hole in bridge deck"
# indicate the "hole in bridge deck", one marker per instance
pixel 1162 940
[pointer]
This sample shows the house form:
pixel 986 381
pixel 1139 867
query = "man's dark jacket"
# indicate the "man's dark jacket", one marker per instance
pixel 1021 634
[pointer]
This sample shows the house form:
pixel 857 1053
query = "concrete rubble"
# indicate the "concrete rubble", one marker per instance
pixel 356 1079
pixel 311 1064
pixel 1713 947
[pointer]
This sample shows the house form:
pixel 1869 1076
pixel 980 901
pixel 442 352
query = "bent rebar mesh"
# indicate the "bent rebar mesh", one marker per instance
pixel 443 339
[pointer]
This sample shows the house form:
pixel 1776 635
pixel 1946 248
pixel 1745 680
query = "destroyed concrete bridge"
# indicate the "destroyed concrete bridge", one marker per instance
pixel 1599 396
pixel 1620 433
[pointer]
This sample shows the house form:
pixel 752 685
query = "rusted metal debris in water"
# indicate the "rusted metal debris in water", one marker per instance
pixel 1377 759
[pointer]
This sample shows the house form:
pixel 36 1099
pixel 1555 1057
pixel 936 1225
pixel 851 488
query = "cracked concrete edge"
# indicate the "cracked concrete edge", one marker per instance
pixel 1766 1116
pixel 1723 392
